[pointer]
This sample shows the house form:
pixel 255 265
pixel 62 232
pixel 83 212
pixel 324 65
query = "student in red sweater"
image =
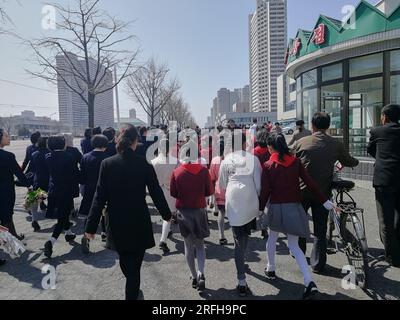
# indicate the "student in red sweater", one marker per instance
pixel 190 185
pixel 281 187
pixel 261 151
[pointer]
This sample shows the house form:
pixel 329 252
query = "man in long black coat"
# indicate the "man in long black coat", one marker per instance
pixel 384 146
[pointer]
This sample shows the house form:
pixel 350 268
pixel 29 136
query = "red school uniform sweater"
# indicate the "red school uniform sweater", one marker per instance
pixel 262 154
pixel 280 181
pixel 190 185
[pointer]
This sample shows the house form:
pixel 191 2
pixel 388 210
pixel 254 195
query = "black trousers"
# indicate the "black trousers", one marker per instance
pixel 63 223
pixel 131 263
pixel 388 208
pixel 320 221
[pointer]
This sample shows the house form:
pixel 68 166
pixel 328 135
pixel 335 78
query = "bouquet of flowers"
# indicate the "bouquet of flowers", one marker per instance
pixel 33 198
pixel 10 244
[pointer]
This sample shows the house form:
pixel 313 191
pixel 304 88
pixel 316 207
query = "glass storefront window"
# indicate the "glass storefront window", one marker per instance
pixel 332 72
pixel 299 103
pixel 332 103
pixel 366 65
pixel 365 102
pixel 310 106
pixel 310 78
pixel 395 60
pixel 395 89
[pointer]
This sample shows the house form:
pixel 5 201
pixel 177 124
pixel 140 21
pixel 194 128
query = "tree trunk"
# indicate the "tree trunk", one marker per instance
pixel 91 99
pixel 152 118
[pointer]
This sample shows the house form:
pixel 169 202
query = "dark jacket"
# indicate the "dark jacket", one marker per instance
pixel 90 169
pixel 384 146
pixel 319 153
pixel 122 187
pixel 8 169
pixel 86 145
pixel 299 135
pixel 111 149
pixel 77 157
pixel 39 167
pixel 27 165
pixel 64 175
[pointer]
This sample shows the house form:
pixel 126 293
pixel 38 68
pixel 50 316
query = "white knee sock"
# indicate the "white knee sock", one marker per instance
pixel 300 258
pixel 166 228
pixel 271 250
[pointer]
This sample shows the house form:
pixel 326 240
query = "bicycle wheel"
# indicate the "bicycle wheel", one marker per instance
pixel 356 247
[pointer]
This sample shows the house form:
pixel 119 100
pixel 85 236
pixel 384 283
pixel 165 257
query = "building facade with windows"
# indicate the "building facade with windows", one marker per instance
pixel 349 69
pixel 73 110
pixel 267 43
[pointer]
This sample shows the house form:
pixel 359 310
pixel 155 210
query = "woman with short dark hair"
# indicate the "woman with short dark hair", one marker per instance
pixel 86 146
pixel 90 168
pixel 63 177
pixel 41 177
pixel 122 184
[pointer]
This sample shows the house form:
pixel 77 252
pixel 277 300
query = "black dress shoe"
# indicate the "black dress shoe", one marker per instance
pixel 36 226
pixel 20 237
pixel 194 283
pixel 85 242
pixel 244 291
pixel 310 292
pixel 103 237
pixel 271 275
pixel 2 262
pixel 201 283
pixel 164 247
pixel 223 242
pixel 48 249
pixel 70 237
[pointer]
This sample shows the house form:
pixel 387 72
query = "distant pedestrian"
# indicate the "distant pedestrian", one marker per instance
pixel 384 146
pixel 253 129
pixel 86 145
pixel 27 165
pixel 300 133
pixel 111 146
pixel 277 129
pixel 41 177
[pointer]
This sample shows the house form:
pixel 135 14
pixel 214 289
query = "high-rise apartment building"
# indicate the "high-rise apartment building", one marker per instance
pixel 73 110
pixel 267 42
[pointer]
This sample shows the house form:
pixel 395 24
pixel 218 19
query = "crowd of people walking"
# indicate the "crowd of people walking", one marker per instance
pixel 254 178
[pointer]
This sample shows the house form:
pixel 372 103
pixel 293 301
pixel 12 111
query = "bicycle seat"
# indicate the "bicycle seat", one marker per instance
pixel 343 185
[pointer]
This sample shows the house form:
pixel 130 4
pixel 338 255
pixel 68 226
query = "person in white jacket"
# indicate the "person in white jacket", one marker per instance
pixel 240 176
pixel 164 165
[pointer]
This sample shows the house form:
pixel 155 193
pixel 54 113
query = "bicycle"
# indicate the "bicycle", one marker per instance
pixel 350 230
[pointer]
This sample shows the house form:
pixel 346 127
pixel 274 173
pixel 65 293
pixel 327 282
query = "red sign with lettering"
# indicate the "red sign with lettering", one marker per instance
pixel 319 35
pixel 296 47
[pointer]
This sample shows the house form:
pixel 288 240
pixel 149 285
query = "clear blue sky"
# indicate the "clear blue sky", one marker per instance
pixel 205 43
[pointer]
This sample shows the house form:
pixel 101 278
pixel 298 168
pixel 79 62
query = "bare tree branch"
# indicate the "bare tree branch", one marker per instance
pixel 91 44
pixel 151 88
